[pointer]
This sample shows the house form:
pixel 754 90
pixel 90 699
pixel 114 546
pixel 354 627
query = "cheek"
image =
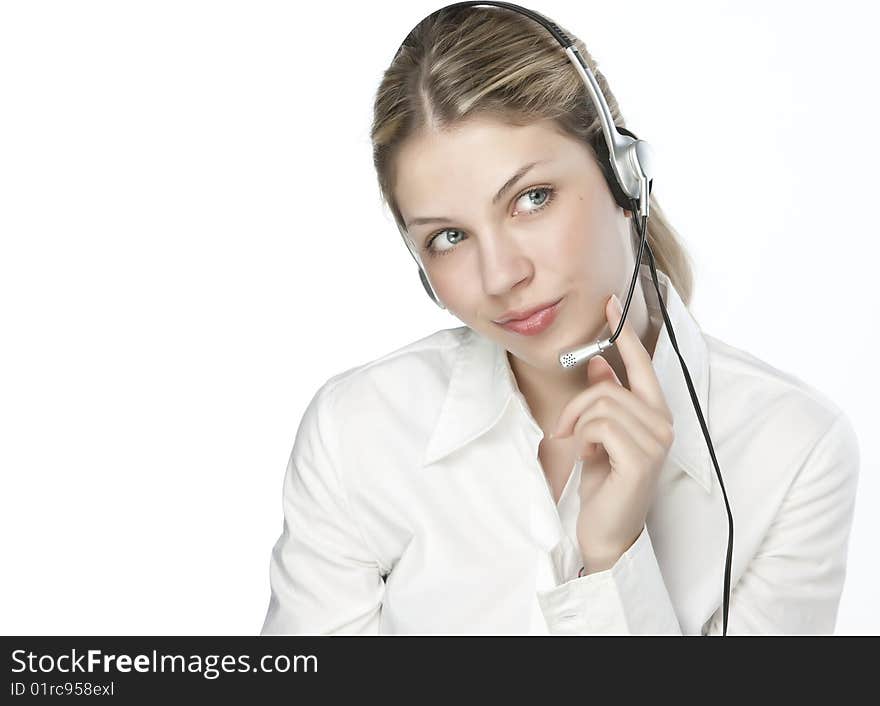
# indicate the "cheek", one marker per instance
pixel 581 238
pixel 591 248
pixel 456 288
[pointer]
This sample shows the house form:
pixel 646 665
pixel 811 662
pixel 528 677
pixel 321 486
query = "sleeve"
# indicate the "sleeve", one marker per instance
pixel 630 598
pixel 323 578
pixel 793 584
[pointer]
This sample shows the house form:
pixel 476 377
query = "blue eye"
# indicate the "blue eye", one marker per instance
pixel 549 192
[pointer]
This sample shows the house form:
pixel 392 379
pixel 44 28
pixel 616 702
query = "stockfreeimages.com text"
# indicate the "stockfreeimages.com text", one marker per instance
pixel 96 661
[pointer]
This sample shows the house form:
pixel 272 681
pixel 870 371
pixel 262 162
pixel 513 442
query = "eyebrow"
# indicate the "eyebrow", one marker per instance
pixel 509 184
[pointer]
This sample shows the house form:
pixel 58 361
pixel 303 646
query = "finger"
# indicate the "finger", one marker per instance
pixel 610 408
pixel 639 368
pixel 658 423
pixel 660 426
pixel 622 451
pixel 598 370
pixel 655 420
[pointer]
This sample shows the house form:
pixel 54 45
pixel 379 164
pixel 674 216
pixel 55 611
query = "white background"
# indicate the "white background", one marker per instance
pixel 193 242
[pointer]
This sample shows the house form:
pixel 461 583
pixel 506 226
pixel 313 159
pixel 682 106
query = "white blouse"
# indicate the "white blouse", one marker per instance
pixel 414 502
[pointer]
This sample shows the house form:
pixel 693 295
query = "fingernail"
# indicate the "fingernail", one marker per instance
pixel 617 304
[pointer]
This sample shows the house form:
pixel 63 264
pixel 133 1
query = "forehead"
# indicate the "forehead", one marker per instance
pixel 474 158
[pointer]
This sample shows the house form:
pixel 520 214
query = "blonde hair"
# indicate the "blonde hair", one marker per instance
pixel 488 61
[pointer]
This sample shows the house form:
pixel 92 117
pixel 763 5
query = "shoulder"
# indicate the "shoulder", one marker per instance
pixel 768 402
pixel 409 381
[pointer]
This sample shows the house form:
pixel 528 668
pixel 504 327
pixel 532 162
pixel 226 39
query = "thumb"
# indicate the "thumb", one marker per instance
pixel 599 369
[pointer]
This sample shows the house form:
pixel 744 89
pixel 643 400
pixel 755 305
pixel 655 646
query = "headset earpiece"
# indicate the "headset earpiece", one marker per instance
pixel 604 160
pixel 430 290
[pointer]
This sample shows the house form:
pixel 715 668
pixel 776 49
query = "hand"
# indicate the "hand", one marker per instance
pixel 624 436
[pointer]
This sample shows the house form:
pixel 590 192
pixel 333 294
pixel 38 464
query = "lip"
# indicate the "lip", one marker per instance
pixel 535 323
pixel 525 313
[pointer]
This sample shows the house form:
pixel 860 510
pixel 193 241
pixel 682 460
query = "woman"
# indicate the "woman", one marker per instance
pixel 466 483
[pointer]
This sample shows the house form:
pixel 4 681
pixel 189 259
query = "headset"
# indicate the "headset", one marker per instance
pixel 628 166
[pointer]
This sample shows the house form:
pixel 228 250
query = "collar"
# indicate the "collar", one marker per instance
pixel 482 384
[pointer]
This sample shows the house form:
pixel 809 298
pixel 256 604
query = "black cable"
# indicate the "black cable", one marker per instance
pixel 641 227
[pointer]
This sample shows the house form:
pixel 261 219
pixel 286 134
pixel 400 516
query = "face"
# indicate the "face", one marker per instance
pixel 556 232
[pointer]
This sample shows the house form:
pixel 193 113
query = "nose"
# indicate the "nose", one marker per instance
pixel 503 264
